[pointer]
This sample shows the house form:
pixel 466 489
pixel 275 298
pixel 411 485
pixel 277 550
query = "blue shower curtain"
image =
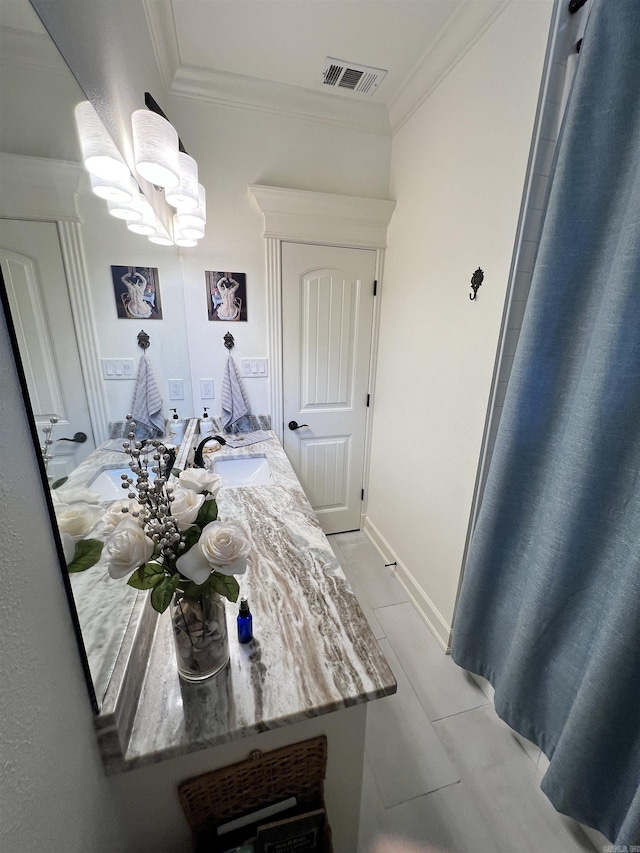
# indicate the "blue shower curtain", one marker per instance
pixel 549 609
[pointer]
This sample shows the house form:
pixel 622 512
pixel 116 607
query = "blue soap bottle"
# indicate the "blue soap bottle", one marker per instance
pixel 245 622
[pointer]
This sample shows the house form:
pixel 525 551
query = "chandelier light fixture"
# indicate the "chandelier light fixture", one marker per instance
pixel 160 158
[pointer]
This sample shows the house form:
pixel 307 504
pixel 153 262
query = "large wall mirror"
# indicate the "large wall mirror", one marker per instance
pixel 57 247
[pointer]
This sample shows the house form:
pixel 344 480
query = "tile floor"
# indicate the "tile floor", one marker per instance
pixel 441 768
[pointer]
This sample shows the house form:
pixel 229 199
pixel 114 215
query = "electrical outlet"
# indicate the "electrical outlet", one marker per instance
pixel 206 389
pixel 176 389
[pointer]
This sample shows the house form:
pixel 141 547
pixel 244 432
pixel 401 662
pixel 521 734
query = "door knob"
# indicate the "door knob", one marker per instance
pixel 293 425
pixel 78 438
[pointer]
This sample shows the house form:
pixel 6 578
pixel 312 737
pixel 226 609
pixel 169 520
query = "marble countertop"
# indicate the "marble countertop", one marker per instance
pixel 313 651
pixel 104 607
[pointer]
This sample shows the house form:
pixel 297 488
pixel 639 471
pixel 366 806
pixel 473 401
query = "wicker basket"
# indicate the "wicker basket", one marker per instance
pixel 261 780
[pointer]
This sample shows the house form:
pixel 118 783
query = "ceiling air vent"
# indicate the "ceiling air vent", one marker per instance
pixel 351 77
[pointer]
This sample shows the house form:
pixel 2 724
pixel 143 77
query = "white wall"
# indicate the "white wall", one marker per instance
pixel 53 792
pixel 107 242
pixel 235 148
pixel 457 173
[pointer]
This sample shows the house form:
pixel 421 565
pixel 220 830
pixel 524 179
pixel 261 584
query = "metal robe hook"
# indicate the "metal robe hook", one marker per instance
pixel 228 341
pixel 476 280
pixel 143 340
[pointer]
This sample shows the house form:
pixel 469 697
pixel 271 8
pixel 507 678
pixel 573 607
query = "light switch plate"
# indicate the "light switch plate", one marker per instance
pixel 117 368
pixel 254 368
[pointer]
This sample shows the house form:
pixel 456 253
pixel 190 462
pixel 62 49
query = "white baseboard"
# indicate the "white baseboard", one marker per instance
pixel 432 617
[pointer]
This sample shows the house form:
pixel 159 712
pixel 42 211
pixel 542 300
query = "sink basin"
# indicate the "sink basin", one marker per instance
pixel 108 483
pixel 243 471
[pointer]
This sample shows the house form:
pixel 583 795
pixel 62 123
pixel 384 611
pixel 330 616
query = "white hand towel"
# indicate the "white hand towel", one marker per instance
pixel 232 394
pixel 146 407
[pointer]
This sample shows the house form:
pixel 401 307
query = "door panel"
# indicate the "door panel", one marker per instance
pixel 33 271
pixel 327 317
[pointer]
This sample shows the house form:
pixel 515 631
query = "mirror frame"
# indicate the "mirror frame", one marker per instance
pixel 35 438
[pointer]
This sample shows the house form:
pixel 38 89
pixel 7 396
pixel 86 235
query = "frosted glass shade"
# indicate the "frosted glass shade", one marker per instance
pixel 155 149
pixel 99 152
pixel 185 196
pixel 114 190
pixel 185 243
pixel 191 223
pixel 161 238
pixel 193 229
pixel 148 224
pixel 128 210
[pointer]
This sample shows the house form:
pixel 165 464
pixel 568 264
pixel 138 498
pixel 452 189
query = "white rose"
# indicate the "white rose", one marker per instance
pixel 76 519
pixel 76 494
pixel 68 546
pixel 224 546
pixel 114 515
pixel 200 480
pixel 185 507
pixel 126 548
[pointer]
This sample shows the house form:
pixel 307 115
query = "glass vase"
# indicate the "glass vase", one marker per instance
pixel 200 636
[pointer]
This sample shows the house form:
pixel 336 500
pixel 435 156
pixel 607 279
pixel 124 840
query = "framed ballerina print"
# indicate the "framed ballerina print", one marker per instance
pixel 137 293
pixel 226 295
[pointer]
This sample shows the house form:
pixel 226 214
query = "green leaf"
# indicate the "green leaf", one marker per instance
pixel 208 513
pixel 87 554
pixel 225 585
pixel 194 590
pixel 147 576
pixel 163 592
pixel 191 536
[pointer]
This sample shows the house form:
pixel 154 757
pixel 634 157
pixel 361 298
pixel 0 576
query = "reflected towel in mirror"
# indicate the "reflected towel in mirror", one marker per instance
pixel 146 407
pixel 232 394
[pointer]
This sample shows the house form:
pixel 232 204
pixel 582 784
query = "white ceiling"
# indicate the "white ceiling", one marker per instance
pixel 286 41
pixel 269 54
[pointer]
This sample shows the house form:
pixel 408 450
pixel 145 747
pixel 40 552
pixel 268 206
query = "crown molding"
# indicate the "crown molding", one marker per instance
pixel 22 47
pixel 162 29
pixel 316 217
pixel 251 93
pixel 38 188
pixel 465 26
pixel 463 29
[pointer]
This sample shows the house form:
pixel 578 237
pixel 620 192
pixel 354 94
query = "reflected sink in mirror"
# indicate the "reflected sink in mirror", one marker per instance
pixel 108 483
pixel 243 471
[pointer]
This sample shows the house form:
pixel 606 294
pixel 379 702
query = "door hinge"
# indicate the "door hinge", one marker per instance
pixel 375 287
pixel 368 400
pixel 362 495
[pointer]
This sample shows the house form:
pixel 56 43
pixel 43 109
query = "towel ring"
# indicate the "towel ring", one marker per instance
pixel 228 341
pixel 143 340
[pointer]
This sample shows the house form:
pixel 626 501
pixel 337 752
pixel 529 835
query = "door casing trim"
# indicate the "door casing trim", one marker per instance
pixel 323 219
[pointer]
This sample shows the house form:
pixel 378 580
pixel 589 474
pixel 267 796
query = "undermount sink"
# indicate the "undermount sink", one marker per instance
pixel 108 483
pixel 243 471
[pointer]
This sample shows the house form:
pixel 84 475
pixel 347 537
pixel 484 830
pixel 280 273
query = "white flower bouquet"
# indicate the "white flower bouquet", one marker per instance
pixel 165 537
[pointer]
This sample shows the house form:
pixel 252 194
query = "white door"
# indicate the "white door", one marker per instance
pixel 327 313
pixel 33 272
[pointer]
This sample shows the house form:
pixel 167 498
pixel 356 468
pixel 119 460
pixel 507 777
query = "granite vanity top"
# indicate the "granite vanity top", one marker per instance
pixel 104 607
pixel 313 651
